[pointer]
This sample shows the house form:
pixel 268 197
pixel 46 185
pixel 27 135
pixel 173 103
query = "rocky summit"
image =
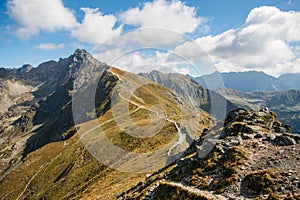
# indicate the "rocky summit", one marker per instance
pixel 254 156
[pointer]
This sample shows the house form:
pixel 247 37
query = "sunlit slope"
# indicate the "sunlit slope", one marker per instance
pixel 64 170
pixel 148 122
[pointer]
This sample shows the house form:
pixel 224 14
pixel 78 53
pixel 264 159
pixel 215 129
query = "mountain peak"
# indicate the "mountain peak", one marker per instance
pixel 24 69
pixel 80 52
pixel 79 57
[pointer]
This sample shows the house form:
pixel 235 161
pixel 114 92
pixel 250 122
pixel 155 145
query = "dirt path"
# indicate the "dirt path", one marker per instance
pixel 196 191
pixel 28 183
pixel 271 124
pixel 181 136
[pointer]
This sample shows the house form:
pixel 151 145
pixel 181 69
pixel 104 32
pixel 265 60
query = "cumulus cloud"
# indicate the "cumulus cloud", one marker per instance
pixel 174 15
pixel 263 42
pixel 151 37
pixel 145 61
pixel 96 27
pixel 49 46
pixel 141 38
pixel 33 16
pixel 143 50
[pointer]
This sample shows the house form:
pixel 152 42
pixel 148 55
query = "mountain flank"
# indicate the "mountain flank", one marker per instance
pixel 292 81
pixel 208 100
pixel 46 156
pixel 254 157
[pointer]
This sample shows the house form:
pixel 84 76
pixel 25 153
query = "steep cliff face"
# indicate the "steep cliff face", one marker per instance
pixel 254 156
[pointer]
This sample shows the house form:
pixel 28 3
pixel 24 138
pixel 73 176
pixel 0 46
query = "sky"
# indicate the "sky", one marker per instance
pixel 194 37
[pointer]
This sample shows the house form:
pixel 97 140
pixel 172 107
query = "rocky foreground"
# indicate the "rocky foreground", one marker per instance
pixel 254 156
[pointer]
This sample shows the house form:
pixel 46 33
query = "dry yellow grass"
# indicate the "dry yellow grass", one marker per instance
pixel 66 169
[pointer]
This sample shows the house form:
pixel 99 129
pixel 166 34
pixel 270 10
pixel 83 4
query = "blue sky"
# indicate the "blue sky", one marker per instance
pixel 32 33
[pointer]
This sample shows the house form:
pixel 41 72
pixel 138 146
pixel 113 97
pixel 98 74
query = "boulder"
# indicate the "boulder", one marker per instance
pixel 283 140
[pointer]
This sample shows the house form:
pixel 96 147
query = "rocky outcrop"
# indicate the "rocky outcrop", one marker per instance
pixel 254 156
pixel 24 69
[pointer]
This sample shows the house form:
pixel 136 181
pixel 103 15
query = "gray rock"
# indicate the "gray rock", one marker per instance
pixel 279 129
pixel 296 137
pixel 283 140
pixel 258 135
pixel 246 136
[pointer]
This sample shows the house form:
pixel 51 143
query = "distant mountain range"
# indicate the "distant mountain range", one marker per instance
pixel 285 103
pixel 251 81
pixel 291 81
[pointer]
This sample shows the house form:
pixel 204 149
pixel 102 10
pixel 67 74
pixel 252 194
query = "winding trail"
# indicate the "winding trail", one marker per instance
pixel 181 136
pixel 139 106
pixel 28 183
pixel 203 193
pixel 92 129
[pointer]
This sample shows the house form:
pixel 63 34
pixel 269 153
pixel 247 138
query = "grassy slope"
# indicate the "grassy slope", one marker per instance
pixel 66 170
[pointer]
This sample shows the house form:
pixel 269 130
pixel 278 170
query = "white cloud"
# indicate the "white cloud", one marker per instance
pixel 151 37
pixel 134 50
pixel 144 61
pixel 33 16
pixel 107 56
pixel 174 15
pixel 269 21
pixel 96 27
pixel 141 39
pixel 262 43
pixel 282 68
pixel 49 46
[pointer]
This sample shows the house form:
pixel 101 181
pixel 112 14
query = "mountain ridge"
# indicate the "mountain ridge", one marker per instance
pixel 43 151
pixel 253 81
pixel 208 100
